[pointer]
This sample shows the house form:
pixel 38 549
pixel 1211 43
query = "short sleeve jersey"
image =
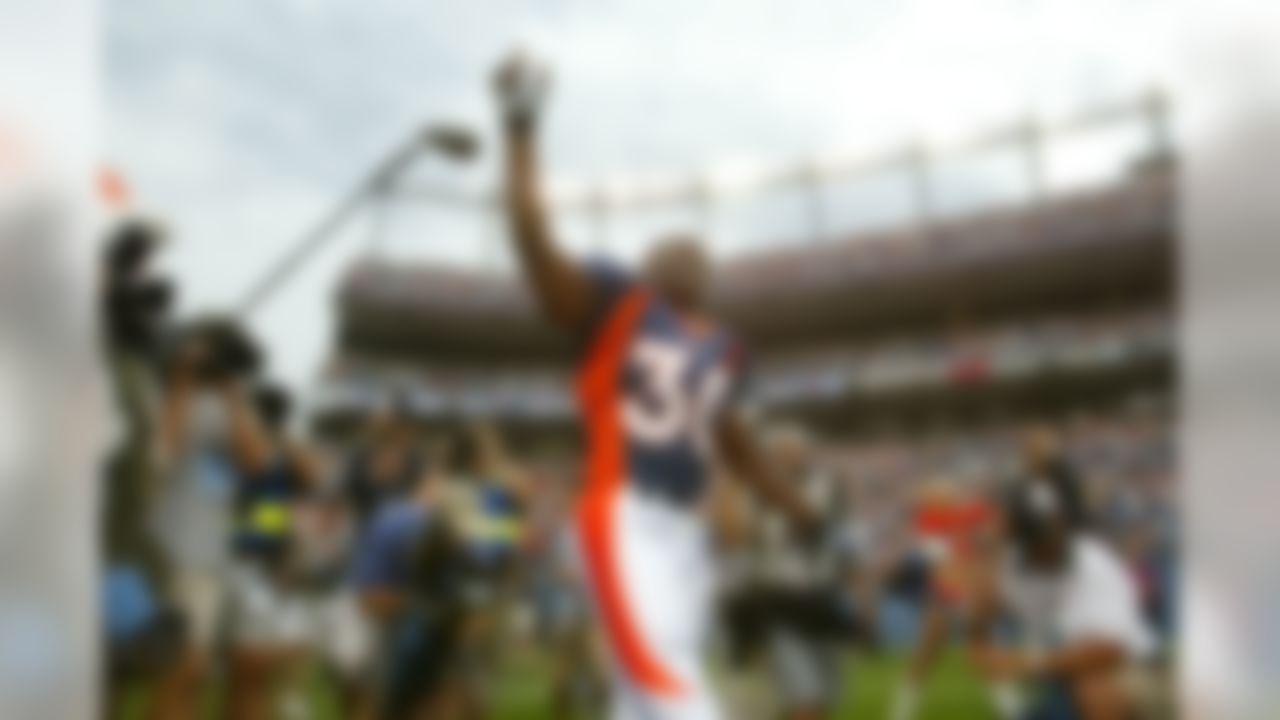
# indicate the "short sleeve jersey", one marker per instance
pixel 652 385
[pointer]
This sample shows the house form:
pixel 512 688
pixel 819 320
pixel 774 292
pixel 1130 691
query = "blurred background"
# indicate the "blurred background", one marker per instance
pixel 947 233
pixel 937 228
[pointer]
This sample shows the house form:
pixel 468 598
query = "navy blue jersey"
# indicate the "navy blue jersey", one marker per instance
pixel 653 385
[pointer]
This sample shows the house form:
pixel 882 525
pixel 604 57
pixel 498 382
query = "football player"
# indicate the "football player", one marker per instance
pixel 657 380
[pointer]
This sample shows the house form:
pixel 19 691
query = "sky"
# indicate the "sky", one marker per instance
pixel 239 122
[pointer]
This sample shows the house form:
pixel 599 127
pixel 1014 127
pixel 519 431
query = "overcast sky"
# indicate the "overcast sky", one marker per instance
pixel 240 121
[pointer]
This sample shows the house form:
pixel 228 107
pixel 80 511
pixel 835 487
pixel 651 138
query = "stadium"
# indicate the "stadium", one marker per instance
pixel 915 348
pixel 638 360
pixel 1042 307
pixel 825 370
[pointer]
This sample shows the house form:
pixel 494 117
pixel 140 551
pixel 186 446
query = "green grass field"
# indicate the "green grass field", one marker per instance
pixel 953 692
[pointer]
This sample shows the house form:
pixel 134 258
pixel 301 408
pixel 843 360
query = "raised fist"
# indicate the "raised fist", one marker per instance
pixel 522 84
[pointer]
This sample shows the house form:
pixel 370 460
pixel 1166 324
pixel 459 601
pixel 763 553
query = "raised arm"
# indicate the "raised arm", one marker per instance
pixel 562 290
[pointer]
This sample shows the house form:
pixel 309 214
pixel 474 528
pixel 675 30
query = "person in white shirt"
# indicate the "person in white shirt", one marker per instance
pixel 1082 632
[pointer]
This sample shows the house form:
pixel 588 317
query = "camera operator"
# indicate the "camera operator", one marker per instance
pixel 225 453
pixel 191 519
pixel 135 307
pixel 143 634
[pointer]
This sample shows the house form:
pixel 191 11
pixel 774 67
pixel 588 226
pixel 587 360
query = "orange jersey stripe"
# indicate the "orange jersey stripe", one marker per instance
pixel 605 469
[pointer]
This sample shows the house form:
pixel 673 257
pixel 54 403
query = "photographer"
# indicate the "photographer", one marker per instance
pixel 143 633
pixel 268 612
pixel 1045 460
pixel 1085 638
pixel 221 441
pixel 135 306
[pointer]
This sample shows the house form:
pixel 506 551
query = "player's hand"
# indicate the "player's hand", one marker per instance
pixel 522 84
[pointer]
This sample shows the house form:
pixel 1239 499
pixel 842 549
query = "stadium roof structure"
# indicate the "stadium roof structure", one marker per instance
pixel 1105 246
pixel 1055 296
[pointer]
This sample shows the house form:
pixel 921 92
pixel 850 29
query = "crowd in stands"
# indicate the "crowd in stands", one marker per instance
pixel 1008 351
pixel 1139 208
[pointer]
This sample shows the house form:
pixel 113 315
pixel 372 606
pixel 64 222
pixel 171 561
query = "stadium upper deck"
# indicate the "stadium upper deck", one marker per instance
pixel 1022 306
pixel 1106 248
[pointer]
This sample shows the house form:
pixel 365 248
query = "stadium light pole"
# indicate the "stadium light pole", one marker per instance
pixel 702 201
pixel 380 212
pixel 918 165
pixel 598 208
pixel 454 142
pixel 1156 109
pixel 809 182
pixel 1033 137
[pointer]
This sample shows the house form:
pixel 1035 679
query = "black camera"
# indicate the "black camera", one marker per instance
pixel 136 304
pixel 226 350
